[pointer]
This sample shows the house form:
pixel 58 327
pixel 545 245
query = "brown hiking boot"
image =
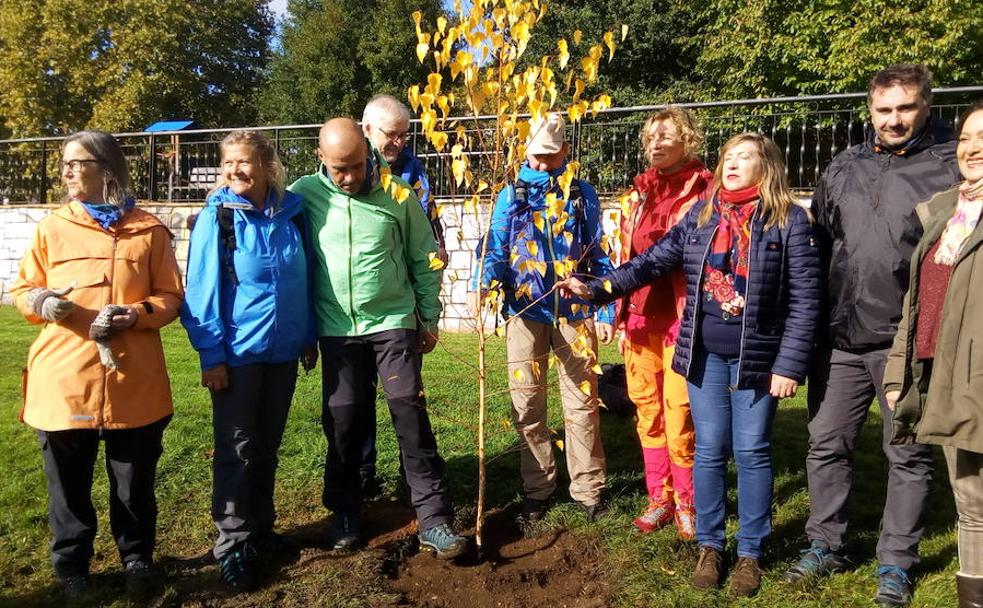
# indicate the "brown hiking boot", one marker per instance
pixel 746 578
pixel 709 569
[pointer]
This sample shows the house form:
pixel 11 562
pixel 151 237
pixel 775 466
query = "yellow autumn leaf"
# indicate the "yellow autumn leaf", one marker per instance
pixel 609 42
pixel 624 31
pixel 607 285
pixel 535 369
pixel 507 424
pixel 518 375
pixel 550 361
pixel 564 53
pixel 435 262
pixel 441 24
pixel 538 221
pixel 585 387
pixel 421 51
pixel 500 331
pixel 597 369
pixel 559 444
pixel 578 36
pixel 385 178
pixel 438 139
pixel 533 248
pixel 400 193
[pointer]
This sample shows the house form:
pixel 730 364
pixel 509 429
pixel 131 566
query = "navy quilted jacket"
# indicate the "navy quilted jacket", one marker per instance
pixel 783 292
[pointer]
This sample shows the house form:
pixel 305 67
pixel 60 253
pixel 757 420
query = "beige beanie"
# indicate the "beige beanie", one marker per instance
pixel 547 135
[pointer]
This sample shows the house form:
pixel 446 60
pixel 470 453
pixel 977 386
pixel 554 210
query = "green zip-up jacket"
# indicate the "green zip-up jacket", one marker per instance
pixel 373 259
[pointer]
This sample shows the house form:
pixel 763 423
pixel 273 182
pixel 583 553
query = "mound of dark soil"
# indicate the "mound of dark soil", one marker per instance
pixel 557 569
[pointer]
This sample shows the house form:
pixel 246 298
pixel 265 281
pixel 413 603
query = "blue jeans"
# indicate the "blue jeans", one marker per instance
pixel 727 419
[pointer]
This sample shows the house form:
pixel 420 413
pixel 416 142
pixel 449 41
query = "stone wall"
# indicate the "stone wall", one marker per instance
pixel 17 224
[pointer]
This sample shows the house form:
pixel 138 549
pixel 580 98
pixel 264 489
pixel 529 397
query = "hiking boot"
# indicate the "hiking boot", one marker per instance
pixel 709 569
pixel 594 511
pixel 746 578
pixel 75 586
pixel 816 561
pixel 273 544
pixel 969 589
pixel 140 576
pixel 443 542
pixel 534 509
pixel 894 589
pixel 236 567
pixel 371 488
pixel 657 515
pixel 686 522
pixel 345 532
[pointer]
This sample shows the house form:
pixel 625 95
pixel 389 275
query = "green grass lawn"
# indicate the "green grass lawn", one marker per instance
pixel 642 571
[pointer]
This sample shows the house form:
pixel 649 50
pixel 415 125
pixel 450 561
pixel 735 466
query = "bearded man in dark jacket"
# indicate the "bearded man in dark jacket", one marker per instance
pixel 864 208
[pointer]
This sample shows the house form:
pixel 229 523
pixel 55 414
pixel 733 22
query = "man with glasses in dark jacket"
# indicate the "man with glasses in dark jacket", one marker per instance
pixel 864 209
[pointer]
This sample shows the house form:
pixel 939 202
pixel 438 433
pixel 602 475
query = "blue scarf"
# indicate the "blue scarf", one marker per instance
pixel 107 214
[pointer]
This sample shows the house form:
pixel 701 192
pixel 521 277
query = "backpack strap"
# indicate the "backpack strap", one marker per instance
pixel 580 221
pixel 227 236
pixel 301 225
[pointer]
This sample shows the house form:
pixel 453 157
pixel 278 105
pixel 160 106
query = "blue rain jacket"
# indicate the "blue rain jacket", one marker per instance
pixel 266 316
pixel 514 226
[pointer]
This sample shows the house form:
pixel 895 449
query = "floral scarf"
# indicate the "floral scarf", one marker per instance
pixel 962 223
pixel 729 256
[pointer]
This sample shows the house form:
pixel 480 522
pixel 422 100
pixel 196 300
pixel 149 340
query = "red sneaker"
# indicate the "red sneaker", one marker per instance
pixel 686 522
pixel 657 515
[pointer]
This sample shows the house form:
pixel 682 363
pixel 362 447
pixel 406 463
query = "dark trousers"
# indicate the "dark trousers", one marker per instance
pixel 248 419
pixel 369 453
pixel 352 367
pixel 841 389
pixel 131 464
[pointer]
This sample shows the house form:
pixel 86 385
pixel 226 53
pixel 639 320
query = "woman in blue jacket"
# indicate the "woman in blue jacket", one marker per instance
pixel 752 285
pixel 248 314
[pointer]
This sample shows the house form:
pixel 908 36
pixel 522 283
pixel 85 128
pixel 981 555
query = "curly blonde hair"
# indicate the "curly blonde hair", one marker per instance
pixel 686 124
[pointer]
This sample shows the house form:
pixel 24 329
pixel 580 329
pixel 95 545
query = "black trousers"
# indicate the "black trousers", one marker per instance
pixel 131 464
pixel 352 367
pixel 248 420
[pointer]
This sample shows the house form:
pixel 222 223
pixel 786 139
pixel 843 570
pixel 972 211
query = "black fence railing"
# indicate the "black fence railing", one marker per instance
pixel 181 166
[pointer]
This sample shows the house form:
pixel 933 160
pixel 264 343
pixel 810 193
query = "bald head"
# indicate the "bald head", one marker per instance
pixel 341 147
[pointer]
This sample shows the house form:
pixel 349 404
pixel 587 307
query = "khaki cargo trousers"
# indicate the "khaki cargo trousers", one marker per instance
pixel 528 344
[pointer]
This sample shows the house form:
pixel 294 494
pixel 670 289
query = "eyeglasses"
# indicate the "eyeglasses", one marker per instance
pixel 394 137
pixel 75 165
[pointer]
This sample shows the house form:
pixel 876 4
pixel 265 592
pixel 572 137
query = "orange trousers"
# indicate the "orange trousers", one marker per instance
pixel 665 427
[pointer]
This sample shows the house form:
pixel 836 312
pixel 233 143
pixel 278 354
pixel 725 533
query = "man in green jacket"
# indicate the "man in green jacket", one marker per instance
pixel 377 306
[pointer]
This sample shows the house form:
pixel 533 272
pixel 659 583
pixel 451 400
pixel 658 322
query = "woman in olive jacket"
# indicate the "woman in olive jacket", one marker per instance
pixel 934 375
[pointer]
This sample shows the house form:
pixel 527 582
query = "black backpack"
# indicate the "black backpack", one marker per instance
pixel 227 235
pixel 612 387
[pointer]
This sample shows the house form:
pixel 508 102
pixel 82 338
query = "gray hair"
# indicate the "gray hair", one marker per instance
pixel 106 150
pixel 384 108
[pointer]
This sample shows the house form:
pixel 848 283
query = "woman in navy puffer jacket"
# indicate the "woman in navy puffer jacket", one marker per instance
pixel 752 287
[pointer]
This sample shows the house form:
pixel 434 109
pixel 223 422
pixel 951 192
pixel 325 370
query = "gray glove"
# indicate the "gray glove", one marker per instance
pixel 101 330
pixel 49 304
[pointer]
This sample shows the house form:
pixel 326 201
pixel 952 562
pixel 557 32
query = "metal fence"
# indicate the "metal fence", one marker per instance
pixel 181 166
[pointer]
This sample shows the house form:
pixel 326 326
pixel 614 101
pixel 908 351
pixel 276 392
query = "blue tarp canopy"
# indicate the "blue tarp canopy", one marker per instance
pixel 169 125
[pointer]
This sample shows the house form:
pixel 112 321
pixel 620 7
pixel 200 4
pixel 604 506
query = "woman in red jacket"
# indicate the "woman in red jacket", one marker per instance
pixel 649 319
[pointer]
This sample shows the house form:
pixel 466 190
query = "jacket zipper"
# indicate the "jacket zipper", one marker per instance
pixel 699 300
pixel 351 273
pixel 551 264
pixel 747 293
pixel 105 374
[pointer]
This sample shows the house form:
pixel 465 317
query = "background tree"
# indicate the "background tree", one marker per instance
pixel 655 63
pixel 121 65
pixel 789 47
pixel 336 54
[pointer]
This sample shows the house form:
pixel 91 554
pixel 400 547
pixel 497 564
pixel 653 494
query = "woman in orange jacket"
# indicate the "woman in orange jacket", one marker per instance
pixel 649 319
pixel 101 277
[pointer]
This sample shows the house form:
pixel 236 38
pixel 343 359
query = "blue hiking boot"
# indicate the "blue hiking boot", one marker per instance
pixel 443 542
pixel 894 589
pixel 816 561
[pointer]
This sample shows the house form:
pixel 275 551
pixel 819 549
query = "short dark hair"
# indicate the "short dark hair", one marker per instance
pixel 969 111
pixel 905 74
